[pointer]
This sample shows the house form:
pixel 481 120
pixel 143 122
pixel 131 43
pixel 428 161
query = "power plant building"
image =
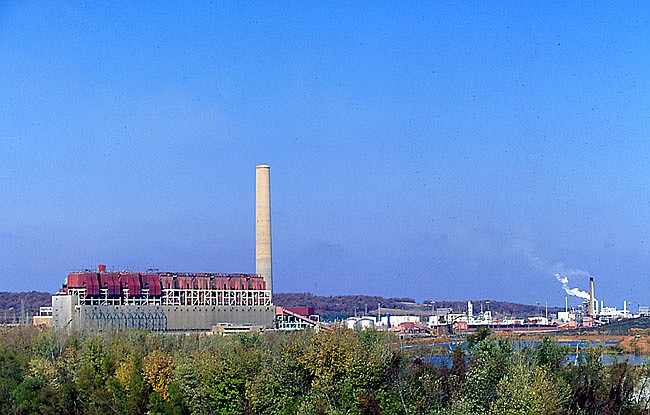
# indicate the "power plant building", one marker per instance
pixel 104 300
pixel 172 301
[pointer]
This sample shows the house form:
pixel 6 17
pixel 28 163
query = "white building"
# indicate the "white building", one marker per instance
pixel 397 320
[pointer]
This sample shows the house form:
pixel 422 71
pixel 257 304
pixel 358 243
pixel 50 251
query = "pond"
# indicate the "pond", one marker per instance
pixel 442 359
pixel 608 359
pixel 518 345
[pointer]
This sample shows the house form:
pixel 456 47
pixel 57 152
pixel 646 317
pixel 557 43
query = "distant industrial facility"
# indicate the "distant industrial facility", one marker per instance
pixel 102 299
pixel 174 301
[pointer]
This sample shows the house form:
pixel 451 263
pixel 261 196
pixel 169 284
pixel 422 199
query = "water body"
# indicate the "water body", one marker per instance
pixel 517 345
pixel 608 359
pixel 444 360
pixel 581 343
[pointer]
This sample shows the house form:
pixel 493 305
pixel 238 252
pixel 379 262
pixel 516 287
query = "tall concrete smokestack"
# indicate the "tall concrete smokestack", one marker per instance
pixel 263 264
pixel 591 297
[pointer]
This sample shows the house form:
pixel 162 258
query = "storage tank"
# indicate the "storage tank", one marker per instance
pixel 365 323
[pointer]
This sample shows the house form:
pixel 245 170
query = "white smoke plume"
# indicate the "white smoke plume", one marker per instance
pixel 576 292
pixel 562 274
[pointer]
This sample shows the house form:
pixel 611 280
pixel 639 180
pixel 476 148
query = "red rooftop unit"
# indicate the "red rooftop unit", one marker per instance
pixel 152 282
pixel 76 280
pixel 92 284
pixel 132 283
pixel 115 282
pixel 303 311
pixel 111 281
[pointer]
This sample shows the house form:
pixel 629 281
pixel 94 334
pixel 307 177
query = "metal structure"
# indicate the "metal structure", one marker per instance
pixel 160 301
pixel 151 318
pixel 170 301
pixel 289 319
pixel 168 289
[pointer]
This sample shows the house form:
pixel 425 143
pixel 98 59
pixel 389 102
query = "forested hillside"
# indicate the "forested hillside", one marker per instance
pixel 339 306
pixel 15 307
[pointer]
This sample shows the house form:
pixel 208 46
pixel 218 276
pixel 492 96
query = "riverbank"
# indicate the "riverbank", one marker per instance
pixel 637 342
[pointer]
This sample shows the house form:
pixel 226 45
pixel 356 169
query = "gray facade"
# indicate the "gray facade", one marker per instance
pixel 68 315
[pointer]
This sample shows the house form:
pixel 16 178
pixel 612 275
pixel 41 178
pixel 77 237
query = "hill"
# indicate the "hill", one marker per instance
pixel 16 307
pixel 622 327
pixel 342 306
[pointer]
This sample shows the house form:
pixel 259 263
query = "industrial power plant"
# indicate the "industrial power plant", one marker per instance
pixel 102 299
pixel 175 301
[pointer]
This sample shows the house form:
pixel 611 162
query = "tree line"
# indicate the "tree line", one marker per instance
pixel 303 372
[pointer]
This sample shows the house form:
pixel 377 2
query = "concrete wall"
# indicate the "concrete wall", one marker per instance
pixel 159 318
pixel 204 317
pixel 62 312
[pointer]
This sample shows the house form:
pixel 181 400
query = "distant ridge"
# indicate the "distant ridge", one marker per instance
pixel 15 307
pixel 340 306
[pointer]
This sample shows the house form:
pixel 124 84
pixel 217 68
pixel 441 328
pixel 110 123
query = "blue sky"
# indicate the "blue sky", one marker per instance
pixel 431 150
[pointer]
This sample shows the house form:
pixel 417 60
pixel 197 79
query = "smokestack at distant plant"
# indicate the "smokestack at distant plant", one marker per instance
pixel 592 312
pixel 263 264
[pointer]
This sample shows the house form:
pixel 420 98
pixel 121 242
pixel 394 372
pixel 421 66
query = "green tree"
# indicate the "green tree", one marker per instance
pixel 282 382
pixel 129 375
pixel 349 372
pixel 490 362
pixel 551 355
pixel 11 375
pixel 99 391
pixel 525 392
pixel 478 336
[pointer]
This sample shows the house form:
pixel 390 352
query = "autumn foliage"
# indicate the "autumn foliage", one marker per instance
pixel 307 372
